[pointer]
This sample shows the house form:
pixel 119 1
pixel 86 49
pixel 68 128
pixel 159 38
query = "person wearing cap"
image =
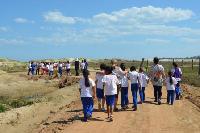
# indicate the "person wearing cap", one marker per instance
pixel 157 75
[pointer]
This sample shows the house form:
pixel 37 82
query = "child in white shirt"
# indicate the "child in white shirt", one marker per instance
pixel 170 85
pixel 99 89
pixel 124 88
pixel 87 91
pixel 144 81
pixel 135 85
pixel 110 83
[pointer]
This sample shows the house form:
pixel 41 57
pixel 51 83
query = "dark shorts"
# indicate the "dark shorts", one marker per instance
pixel 68 70
pixel 100 93
pixel 110 100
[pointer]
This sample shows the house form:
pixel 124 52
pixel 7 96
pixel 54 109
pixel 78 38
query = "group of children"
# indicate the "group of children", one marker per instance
pixel 55 68
pixel 49 68
pixel 112 79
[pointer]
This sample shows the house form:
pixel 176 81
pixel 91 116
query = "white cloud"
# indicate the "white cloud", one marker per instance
pixel 23 20
pixel 58 17
pixel 147 14
pixel 4 41
pixel 3 29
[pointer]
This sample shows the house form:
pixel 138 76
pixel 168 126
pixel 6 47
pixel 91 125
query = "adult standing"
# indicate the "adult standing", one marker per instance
pixel 86 64
pixel 77 64
pixel 157 75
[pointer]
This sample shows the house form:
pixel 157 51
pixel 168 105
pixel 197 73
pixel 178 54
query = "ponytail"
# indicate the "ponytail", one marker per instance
pixel 85 75
pixel 170 77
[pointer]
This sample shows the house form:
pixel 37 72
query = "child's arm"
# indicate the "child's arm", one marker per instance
pixel 94 92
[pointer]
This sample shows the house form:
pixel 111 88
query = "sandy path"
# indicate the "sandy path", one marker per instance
pixel 183 116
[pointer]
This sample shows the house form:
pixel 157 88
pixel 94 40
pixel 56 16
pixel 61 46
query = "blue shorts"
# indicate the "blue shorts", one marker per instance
pixel 110 100
pixel 100 93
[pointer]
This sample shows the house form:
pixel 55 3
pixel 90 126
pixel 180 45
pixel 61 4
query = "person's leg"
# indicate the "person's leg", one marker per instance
pixel 91 104
pixel 143 93
pixel 116 98
pixel 126 95
pixel 155 93
pixel 84 103
pixel 122 97
pixel 132 91
pixel 159 94
pixel 168 96
pixel 99 98
pixel 172 97
pixel 135 90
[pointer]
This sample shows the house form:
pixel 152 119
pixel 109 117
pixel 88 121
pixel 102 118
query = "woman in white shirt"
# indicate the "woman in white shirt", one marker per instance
pixel 87 91
pixel 170 85
pixel 110 82
pixel 124 88
pixel 135 85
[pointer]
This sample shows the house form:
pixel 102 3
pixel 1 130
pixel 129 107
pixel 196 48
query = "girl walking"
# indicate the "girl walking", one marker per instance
pixel 87 90
pixel 170 84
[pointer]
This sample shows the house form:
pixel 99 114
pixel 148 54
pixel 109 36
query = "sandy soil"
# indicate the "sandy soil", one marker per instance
pixel 182 117
pixel 62 112
pixel 25 119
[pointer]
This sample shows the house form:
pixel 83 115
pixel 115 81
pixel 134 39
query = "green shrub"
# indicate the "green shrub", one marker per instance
pixel 2 108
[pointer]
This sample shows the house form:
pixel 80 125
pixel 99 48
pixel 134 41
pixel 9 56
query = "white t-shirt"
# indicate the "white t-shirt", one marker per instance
pixel 99 78
pixel 143 79
pixel 82 65
pixel 51 67
pixel 124 81
pixel 86 91
pixel 68 66
pixel 111 83
pixel 47 67
pixel 157 71
pixel 133 76
pixel 168 85
pixel 60 65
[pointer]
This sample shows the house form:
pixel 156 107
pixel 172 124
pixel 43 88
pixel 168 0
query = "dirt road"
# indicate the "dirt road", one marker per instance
pixel 182 117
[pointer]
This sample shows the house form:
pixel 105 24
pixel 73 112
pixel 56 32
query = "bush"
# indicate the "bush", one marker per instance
pixel 2 108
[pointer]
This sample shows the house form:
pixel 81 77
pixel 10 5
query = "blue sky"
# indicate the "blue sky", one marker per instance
pixel 131 29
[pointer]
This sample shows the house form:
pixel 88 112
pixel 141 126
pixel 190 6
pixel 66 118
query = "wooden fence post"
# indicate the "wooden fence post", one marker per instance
pixel 182 62
pixel 199 66
pixel 192 64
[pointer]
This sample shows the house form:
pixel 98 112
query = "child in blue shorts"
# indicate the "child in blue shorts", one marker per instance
pixel 110 83
pixel 87 90
pixel 99 89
